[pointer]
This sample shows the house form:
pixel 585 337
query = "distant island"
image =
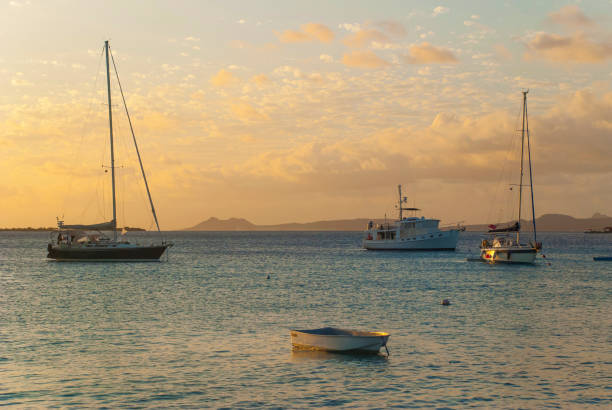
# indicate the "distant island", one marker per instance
pixel 240 224
pixel 48 229
pixel 545 223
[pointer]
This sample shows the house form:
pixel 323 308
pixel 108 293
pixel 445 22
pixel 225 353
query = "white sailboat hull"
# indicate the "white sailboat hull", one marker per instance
pixel 441 240
pixel 338 340
pixel 508 255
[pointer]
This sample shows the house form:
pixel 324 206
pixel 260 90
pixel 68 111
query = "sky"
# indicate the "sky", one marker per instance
pixel 279 111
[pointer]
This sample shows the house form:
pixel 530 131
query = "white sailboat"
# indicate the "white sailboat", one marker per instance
pixel 411 233
pixel 89 242
pixel 504 244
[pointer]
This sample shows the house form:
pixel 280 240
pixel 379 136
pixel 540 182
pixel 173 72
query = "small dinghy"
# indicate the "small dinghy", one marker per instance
pixel 332 339
pixel 602 258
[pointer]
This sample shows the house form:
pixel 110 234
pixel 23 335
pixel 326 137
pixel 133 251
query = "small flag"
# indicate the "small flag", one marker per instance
pixel 492 226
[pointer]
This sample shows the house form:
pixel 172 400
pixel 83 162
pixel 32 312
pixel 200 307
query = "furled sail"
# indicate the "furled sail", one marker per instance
pixel 104 226
pixel 512 228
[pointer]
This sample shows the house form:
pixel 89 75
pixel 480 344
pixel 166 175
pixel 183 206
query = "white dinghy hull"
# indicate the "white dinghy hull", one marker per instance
pixel 338 340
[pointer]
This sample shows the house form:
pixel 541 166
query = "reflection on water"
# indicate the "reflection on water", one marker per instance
pixel 298 355
pixel 207 329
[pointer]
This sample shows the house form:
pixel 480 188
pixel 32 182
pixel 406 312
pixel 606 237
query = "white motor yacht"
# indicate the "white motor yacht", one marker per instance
pixel 410 233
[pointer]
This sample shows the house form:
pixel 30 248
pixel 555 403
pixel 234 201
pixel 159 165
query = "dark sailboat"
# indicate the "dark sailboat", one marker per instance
pixel 88 242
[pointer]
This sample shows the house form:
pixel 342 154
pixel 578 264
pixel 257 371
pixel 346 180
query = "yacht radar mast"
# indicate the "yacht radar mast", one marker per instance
pixel 403 200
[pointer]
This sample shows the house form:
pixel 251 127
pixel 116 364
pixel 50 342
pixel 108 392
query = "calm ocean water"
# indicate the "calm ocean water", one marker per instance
pixel 207 329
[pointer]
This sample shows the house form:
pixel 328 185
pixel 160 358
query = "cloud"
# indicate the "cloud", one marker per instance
pixel 190 38
pixel 260 79
pixel 14 3
pixel 394 28
pixel 502 52
pixel 426 53
pixel 246 112
pixel 570 16
pixel 364 59
pixel 352 27
pixel 456 148
pixel 19 81
pixel 170 68
pixel 224 78
pixel 363 38
pixel 319 31
pixel 309 32
pixel 326 58
pixel 573 48
pixel 298 75
pixel 440 10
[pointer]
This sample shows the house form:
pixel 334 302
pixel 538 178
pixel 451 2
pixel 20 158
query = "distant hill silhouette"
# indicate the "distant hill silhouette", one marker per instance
pixel 547 222
pixel 216 224
pixel 240 224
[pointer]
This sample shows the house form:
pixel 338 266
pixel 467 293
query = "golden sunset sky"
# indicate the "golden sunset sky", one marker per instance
pixel 280 111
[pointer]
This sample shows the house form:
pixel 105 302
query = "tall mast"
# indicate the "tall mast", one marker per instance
pixel 522 155
pixel 110 126
pixel 399 204
pixel 535 234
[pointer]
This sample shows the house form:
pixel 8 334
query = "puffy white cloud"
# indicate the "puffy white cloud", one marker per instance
pixel 352 27
pixel 440 10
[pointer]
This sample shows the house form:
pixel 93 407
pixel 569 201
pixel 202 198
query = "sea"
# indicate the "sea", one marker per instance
pixel 209 326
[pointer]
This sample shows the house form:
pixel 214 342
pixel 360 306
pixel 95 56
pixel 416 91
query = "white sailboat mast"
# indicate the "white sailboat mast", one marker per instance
pixel 522 161
pixel 535 234
pixel 110 125
pixel 399 204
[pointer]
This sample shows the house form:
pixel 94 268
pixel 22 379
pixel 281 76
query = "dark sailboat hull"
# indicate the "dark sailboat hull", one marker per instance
pixel 106 253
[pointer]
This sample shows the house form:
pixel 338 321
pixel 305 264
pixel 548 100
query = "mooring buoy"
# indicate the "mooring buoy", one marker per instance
pixel 445 302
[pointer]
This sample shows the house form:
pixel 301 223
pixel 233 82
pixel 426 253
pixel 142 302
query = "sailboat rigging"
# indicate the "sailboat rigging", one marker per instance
pixel 502 246
pixel 77 242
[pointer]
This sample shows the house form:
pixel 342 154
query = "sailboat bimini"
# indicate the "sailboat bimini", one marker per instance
pixel 88 242
pixel 503 244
